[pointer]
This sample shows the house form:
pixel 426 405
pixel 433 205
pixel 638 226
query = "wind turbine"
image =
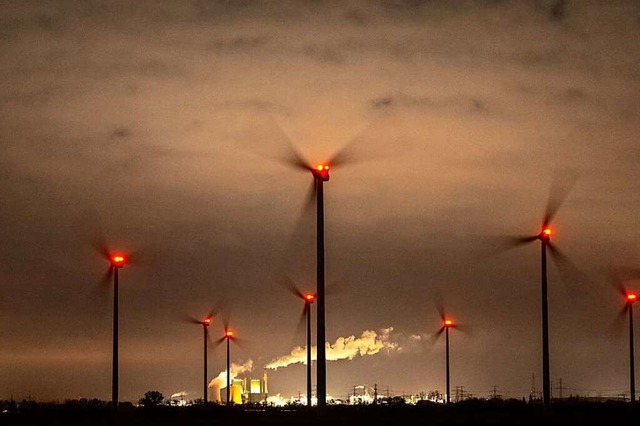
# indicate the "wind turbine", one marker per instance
pixel 308 298
pixel 630 298
pixel 559 191
pixel 205 322
pixel 351 152
pixel 320 173
pixel 228 335
pixel 447 323
pixel 116 261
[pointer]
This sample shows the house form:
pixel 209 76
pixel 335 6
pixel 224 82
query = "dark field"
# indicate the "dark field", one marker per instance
pixel 472 412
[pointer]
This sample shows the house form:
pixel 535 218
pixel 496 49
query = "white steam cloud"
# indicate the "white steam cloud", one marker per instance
pixel 236 369
pixel 369 343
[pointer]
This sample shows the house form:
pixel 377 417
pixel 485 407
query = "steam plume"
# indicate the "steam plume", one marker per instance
pixel 369 343
pixel 221 380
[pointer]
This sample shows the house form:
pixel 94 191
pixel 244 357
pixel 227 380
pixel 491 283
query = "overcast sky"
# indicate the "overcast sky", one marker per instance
pixel 160 126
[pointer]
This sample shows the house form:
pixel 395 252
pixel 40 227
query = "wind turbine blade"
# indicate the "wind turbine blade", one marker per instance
pixel 212 313
pixel 521 240
pixel 299 245
pixel 310 199
pixel 215 311
pixel 100 291
pixel 91 229
pixel 617 326
pixel 99 244
pixel 107 277
pixel 292 157
pixel 191 320
pixel 287 283
pixel 560 188
pixel 217 342
pixel 616 281
pixel 502 243
pixel 464 328
pixel 225 321
pixel 439 304
pixel 240 342
pixel 576 281
pixel 434 337
pixel 627 273
pixel 287 153
pixel 301 327
pixel 361 147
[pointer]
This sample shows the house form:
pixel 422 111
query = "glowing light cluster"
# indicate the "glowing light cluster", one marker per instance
pixel 448 323
pixel 632 297
pixel 118 260
pixel 309 297
pixel 546 232
pixel 228 334
pixel 207 321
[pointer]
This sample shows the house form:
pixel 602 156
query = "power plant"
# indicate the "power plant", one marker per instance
pixel 242 391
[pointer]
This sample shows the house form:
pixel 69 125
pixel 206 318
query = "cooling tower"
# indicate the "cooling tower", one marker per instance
pixel 236 394
pixel 214 393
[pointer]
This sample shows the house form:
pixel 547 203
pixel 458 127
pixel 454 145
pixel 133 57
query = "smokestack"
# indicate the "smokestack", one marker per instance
pixel 264 383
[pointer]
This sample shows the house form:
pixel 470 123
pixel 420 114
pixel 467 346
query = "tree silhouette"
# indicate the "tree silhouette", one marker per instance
pixel 151 398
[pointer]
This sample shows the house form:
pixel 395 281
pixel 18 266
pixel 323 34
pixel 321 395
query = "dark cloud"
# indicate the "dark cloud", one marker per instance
pixel 450 105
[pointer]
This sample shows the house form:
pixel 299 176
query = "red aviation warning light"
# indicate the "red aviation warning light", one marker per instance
pixel 309 297
pixel 206 322
pixel 546 233
pixel 321 171
pixel 632 297
pixel 228 334
pixel 448 323
pixel 118 260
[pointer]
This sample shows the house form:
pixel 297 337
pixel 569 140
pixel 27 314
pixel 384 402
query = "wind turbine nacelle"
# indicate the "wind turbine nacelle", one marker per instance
pixel 321 171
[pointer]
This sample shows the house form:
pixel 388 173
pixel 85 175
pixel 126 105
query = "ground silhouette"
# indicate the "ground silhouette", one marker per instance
pixel 468 412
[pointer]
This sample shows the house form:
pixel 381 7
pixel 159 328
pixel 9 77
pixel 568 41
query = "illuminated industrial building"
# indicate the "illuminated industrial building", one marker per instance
pixel 242 391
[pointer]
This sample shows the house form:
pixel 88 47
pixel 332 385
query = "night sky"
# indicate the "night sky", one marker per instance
pixel 161 126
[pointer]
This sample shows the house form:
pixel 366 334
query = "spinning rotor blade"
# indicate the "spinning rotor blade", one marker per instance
pixel 437 334
pixel 360 148
pixel 107 277
pixel 281 148
pixel 101 290
pixel 191 320
pixel 502 243
pixel 439 304
pixel 301 327
pixel 572 277
pixel 287 283
pixel 560 188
